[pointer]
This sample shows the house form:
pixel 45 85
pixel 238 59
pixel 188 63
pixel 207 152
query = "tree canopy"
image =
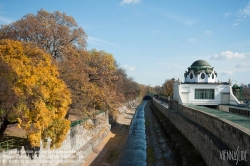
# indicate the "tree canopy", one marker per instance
pixel 167 88
pixel 52 64
pixel 91 75
pixel 54 32
pixel 36 97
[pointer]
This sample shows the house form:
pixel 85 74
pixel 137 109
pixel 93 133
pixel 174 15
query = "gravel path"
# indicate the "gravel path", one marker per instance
pixel 108 151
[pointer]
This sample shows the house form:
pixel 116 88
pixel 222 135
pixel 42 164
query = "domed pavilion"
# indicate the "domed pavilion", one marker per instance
pixel 201 87
pixel 200 71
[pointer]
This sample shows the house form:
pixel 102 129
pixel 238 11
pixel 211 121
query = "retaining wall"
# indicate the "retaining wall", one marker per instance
pixel 78 145
pixel 230 133
pixel 209 134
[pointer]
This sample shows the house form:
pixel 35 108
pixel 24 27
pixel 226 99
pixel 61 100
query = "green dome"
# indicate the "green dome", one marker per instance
pixel 200 66
pixel 200 63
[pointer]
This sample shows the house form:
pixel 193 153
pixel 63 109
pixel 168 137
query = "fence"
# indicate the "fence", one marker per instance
pixel 6 145
pixel 74 123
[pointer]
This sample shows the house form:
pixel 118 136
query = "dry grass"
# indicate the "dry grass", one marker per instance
pixel 14 131
pixel 88 125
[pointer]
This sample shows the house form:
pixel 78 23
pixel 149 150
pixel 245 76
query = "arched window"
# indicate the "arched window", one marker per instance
pixel 191 76
pixel 202 76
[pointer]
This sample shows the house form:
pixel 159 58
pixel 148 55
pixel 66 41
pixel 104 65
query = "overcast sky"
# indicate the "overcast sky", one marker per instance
pixel 158 40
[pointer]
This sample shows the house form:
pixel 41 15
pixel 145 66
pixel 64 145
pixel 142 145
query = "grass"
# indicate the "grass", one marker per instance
pixel 113 155
pixel 150 154
pixel 147 123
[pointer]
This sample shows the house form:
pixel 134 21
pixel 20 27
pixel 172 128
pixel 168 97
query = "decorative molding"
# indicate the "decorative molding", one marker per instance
pixel 197 70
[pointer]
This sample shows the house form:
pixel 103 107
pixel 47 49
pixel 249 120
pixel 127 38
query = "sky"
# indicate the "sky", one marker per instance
pixel 158 40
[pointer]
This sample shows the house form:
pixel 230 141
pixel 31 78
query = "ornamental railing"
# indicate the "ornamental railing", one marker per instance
pixel 9 144
pixel 74 123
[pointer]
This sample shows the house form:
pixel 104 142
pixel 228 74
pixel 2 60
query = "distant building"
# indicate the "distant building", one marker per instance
pixel 248 85
pixel 201 87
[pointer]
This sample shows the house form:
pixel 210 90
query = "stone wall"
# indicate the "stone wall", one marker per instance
pixel 209 134
pixel 76 148
pixel 230 133
pixel 78 145
pixel 223 108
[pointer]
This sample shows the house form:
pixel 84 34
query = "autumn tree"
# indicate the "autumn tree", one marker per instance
pixel 245 92
pixel 87 73
pixel 168 87
pixel 74 72
pixel 90 76
pixel 157 89
pixel 53 32
pixel 102 75
pixel 143 90
pixel 36 97
pixel 102 67
pixel 126 85
pixel 7 96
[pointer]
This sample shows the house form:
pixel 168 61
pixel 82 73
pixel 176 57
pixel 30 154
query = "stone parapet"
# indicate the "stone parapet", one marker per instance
pixel 209 134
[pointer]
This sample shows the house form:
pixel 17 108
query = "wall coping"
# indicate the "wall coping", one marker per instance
pixel 241 128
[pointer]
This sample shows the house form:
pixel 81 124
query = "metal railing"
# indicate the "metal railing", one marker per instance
pixel 74 123
pixel 6 145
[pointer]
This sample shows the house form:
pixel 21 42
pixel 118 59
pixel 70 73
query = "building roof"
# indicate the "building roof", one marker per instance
pixel 200 63
pixel 210 83
pixel 199 66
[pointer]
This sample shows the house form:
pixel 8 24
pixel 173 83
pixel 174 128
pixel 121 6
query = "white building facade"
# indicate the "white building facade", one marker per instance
pixel 201 87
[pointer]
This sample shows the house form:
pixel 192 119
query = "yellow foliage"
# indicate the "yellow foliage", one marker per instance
pixel 169 87
pixel 42 98
pixel 57 131
pixel 35 138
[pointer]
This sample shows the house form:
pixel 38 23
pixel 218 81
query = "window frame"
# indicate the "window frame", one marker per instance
pixel 204 94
